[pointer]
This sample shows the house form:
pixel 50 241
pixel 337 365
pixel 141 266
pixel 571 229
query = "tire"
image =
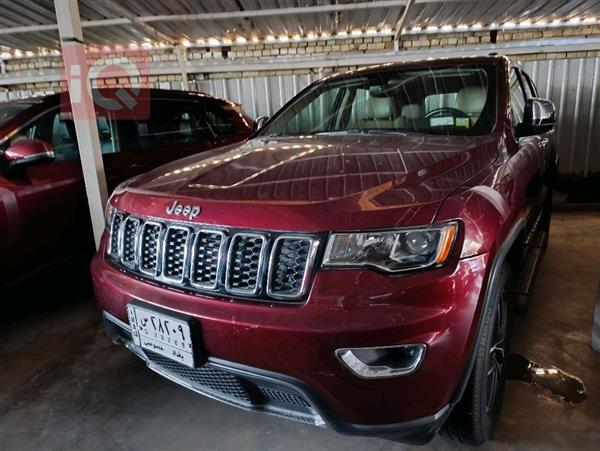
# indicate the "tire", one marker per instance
pixel 475 417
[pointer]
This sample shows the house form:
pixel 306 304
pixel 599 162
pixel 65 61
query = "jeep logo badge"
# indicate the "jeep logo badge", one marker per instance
pixel 178 209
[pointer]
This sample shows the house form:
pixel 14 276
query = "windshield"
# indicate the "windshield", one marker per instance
pixel 454 100
pixel 10 110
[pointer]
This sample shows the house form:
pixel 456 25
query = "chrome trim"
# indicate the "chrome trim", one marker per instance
pixel 259 271
pixel 222 285
pixel 314 246
pixel 186 253
pixel 112 237
pixel 159 240
pixel 219 269
pixel 362 370
pixel 137 222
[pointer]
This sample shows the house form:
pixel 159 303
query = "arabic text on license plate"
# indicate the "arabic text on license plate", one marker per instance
pixel 160 333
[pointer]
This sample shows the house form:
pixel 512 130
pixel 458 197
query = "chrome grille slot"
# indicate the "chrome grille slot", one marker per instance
pixel 244 263
pixel 175 253
pixel 216 260
pixel 206 253
pixel 129 231
pixel 288 267
pixel 149 247
pixel 115 228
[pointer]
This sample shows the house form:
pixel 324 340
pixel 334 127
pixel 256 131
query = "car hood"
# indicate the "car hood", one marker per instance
pixel 339 181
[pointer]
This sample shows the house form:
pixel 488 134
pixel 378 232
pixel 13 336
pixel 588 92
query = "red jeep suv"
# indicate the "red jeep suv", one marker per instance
pixel 356 262
pixel 44 219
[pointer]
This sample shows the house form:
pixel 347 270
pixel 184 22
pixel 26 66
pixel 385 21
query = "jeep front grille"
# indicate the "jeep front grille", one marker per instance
pixel 249 264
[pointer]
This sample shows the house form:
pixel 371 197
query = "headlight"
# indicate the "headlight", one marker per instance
pixel 393 250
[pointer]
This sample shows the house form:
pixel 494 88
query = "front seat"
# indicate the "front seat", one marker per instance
pixel 471 100
pixel 379 113
pixel 410 113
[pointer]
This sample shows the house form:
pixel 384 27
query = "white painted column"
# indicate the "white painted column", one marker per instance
pixel 182 61
pixel 84 115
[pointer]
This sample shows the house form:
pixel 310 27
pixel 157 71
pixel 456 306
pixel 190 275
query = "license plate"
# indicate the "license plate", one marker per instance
pixel 162 333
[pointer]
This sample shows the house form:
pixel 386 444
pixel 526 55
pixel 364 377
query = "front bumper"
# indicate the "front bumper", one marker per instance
pixel 296 344
pixel 264 391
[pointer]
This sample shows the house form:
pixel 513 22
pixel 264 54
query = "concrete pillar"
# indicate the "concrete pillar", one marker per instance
pixel 84 115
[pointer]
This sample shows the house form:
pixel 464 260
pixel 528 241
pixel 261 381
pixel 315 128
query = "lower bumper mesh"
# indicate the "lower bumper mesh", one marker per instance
pixel 246 391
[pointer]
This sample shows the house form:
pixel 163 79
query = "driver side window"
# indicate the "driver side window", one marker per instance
pixel 57 129
pixel 517 99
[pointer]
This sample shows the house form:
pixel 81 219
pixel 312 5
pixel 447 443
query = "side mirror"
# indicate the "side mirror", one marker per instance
pixel 539 117
pixel 27 151
pixel 260 122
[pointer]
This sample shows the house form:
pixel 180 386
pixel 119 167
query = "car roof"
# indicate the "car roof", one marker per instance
pixel 491 58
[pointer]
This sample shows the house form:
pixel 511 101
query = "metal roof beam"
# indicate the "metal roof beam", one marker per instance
pixel 225 15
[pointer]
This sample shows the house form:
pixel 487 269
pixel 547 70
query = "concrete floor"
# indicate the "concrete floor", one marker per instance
pixel 64 386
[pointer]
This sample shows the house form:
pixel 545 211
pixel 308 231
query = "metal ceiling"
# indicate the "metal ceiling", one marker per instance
pixel 31 24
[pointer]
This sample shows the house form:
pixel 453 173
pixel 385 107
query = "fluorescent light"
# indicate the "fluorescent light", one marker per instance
pixel 213 41
pixel 509 25
pixel 371 31
pixel 447 28
pixel 416 29
pixel 227 41
pixel 589 20
pixel 342 33
pixel 462 26
pixel 324 34
pixel 525 23
pixel 270 38
pixel 356 32
pixel 284 38
pixel 476 26
pixel 431 28
pixel 186 43
pixel 574 20
pixel 240 40
pixel 386 30
pixel 311 35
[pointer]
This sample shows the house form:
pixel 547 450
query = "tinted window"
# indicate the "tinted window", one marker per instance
pixel 517 99
pixel 58 129
pixel 530 88
pixel 10 110
pixel 219 121
pixel 456 100
pixel 172 122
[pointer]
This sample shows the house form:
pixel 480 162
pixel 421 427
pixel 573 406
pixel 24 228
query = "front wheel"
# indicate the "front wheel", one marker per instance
pixel 474 418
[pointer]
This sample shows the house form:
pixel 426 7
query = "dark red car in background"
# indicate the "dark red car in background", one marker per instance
pixel 44 218
pixel 356 262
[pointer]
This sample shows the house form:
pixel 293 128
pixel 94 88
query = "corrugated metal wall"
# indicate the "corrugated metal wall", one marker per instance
pixel 260 96
pixel 572 84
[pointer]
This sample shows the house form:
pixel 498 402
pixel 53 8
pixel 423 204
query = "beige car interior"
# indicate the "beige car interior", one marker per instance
pixel 379 112
pixel 471 100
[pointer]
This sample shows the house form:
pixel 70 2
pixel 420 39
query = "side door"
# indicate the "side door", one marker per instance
pixel 530 160
pixel 174 129
pixel 50 199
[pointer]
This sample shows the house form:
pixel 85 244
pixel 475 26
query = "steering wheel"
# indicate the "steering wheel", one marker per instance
pixel 446 110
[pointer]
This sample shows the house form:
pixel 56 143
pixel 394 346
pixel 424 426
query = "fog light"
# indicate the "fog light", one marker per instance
pixel 387 361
